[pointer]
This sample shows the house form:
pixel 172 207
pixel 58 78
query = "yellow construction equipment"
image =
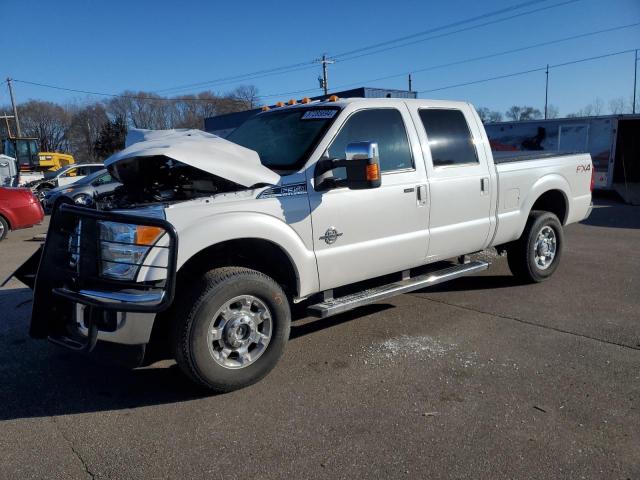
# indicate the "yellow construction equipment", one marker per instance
pixel 26 152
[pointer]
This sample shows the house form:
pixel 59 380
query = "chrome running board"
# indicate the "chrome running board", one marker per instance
pixel 334 306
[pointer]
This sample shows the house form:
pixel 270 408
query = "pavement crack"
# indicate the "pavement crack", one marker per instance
pixel 528 322
pixel 73 449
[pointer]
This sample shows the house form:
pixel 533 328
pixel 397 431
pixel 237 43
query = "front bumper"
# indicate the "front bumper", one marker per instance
pixel 74 306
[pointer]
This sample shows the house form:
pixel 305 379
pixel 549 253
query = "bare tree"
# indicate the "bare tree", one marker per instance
pixel 552 111
pixel 517 113
pixel 248 94
pixel 86 123
pixel 598 106
pixel 489 116
pixel 48 122
pixel 617 106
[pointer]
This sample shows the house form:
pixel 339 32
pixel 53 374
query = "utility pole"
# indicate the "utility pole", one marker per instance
pixel 410 85
pixel 635 78
pixel 15 110
pixel 324 81
pixel 546 93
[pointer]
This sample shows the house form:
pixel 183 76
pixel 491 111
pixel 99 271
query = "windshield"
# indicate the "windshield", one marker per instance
pixel 55 173
pixel 90 178
pixel 284 139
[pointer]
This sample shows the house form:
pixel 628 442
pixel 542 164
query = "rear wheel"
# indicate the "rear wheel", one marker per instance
pixel 536 255
pixel 231 328
pixel 4 228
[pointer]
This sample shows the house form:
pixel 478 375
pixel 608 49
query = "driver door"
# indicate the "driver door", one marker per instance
pixel 361 234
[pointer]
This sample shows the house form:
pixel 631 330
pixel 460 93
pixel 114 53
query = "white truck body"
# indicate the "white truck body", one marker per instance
pixel 428 209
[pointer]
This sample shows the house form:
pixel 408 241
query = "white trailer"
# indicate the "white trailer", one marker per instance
pixel 613 142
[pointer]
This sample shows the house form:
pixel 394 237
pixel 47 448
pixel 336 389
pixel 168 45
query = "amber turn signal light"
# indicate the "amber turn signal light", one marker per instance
pixel 373 172
pixel 147 235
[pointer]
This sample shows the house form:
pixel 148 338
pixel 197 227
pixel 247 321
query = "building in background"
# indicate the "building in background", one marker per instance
pixel 612 140
pixel 223 125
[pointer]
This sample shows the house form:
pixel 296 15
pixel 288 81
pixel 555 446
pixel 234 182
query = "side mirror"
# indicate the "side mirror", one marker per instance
pixel 362 166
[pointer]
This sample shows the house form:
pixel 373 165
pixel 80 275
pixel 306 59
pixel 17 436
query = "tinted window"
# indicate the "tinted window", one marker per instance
pixel 102 180
pixel 384 126
pixel 449 137
pixel 284 139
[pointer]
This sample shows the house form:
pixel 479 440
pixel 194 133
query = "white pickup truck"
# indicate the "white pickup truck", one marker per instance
pixel 329 204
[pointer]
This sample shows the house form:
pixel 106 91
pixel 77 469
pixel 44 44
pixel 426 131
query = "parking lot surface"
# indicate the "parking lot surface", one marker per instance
pixel 477 378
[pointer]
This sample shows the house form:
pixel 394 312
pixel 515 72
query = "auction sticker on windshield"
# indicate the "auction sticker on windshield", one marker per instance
pixel 317 114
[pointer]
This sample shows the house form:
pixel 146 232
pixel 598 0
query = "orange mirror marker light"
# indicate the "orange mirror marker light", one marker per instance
pixel 373 172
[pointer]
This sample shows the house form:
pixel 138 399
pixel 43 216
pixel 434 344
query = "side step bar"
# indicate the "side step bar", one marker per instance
pixel 335 306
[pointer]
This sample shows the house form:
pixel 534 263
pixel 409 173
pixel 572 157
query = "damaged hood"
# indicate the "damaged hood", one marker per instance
pixel 198 149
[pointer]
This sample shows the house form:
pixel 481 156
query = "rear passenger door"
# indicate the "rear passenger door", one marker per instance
pixel 459 181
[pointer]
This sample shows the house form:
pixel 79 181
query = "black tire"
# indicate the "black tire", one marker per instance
pixel 4 228
pixel 41 192
pixel 521 253
pixel 196 308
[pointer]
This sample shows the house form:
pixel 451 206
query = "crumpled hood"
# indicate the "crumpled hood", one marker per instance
pixel 200 150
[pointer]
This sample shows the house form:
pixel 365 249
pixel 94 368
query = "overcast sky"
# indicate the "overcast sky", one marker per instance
pixel 156 45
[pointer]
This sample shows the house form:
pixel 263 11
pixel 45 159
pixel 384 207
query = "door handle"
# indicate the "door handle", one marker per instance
pixel 421 192
pixel 484 185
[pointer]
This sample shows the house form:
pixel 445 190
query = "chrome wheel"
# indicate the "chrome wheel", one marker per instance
pixel 2 232
pixel 545 247
pixel 239 332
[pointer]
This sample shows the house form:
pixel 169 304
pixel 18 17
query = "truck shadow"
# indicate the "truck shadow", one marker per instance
pixel 613 214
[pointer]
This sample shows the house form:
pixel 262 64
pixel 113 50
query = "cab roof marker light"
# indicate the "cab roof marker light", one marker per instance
pixel 305 100
pixel 280 104
pixel 292 102
pixel 333 98
pixel 266 108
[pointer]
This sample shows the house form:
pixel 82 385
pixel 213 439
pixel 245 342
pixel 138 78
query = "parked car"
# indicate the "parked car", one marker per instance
pixel 63 176
pixel 81 192
pixel 330 205
pixel 19 208
pixel 9 176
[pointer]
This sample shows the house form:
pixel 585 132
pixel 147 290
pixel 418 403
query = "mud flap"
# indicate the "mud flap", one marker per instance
pixel 28 271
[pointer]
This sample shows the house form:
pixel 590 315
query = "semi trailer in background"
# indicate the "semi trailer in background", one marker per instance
pixel 612 140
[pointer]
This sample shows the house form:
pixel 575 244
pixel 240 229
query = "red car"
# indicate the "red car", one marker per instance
pixel 19 208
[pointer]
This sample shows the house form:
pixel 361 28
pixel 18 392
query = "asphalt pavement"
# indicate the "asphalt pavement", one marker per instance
pixel 477 378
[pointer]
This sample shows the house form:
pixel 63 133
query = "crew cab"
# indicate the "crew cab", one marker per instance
pixel 330 205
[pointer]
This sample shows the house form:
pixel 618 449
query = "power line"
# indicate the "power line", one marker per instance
pixel 524 72
pixel 114 95
pixel 461 62
pixel 466 29
pixel 437 29
pixel 310 64
pixel 493 55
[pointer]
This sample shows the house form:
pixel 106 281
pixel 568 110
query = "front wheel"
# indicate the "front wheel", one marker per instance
pixel 232 329
pixel 536 255
pixel 4 228
pixel 42 192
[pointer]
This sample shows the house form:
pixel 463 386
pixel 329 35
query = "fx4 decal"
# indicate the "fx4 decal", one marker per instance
pixel 583 168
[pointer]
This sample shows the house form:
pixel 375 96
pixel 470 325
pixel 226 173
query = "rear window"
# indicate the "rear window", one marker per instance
pixel 449 137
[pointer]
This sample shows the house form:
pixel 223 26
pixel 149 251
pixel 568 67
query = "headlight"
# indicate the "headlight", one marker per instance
pixel 123 247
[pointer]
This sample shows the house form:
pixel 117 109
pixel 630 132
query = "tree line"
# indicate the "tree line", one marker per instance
pixel 92 131
pixel 517 113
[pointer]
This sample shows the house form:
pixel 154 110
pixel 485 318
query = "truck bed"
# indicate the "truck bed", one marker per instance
pixel 509 157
